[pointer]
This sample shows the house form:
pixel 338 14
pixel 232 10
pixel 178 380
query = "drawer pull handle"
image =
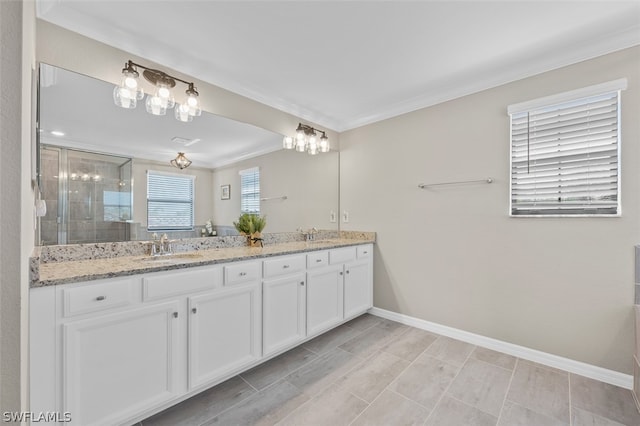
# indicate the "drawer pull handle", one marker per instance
pixel 194 310
pixel 242 274
pixel 318 260
pixel 285 266
pixel 99 298
pixel 175 315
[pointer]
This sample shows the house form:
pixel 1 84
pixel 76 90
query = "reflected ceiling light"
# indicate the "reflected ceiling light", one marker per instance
pixel 306 140
pixel 57 133
pixel 181 161
pixel 129 92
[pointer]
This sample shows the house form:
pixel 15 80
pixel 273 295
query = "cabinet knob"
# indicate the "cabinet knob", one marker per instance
pixel 341 273
pixel 365 252
pixel 285 266
pixel 301 282
pixel 99 298
pixel 242 274
pixel 347 271
pixel 194 310
pixel 318 260
pixel 175 315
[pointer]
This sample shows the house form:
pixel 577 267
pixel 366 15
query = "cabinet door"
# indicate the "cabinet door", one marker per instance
pixel 115 366
pixel 283 323
pixel 324 299
pixel 358 288
pixel 224 332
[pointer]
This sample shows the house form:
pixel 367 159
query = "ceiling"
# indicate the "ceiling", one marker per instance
pixel 343 64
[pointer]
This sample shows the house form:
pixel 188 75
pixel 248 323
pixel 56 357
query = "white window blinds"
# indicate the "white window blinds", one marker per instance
pixel 565 157
pixel 250 190
pixel 169 201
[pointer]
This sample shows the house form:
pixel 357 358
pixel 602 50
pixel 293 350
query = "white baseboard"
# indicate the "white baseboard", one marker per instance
pixel 544 358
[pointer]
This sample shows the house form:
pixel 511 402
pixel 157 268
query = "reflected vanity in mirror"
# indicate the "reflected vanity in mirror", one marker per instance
pixel 94 159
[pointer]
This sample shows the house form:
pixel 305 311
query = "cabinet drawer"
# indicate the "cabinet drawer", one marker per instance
pixel 342 255
pixel 92 297
pixel 283 266
pixel 365 251
pixel 243 272
pixel 318 259
pixel 167 284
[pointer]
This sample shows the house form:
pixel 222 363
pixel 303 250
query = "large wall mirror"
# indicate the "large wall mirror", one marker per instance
pixel 94 159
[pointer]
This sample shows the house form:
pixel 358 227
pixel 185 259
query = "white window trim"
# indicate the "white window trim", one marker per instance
pixel 594 90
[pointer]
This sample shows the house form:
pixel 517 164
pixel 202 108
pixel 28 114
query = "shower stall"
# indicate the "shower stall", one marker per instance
pixel 88 196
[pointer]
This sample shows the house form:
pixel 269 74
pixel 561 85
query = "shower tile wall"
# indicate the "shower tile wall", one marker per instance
pixel 95 210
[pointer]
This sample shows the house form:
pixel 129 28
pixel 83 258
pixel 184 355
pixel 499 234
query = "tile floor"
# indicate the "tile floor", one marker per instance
pixel 372 371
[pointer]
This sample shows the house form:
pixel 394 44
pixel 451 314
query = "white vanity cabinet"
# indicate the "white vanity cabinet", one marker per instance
pixel 284 303
pixel 224 325
pixel 116 365
pixel 114 351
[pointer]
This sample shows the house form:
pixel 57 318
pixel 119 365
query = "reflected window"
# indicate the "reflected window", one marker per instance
pixel 169 201
pixel 250 190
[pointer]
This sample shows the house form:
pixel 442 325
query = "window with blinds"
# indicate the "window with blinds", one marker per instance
pixel 250 190
pixel 565 155
pixel 169 201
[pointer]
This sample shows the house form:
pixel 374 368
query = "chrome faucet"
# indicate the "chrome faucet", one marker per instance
pixel 309 235
pixel 161 246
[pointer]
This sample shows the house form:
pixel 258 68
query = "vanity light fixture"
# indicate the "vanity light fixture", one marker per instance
pixel 129 92
pixel 306 140
pixel 181 161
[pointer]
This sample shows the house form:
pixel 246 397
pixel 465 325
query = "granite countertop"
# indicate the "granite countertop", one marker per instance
pixel 55 273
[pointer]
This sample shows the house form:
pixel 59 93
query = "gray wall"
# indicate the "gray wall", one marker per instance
pixel 453 256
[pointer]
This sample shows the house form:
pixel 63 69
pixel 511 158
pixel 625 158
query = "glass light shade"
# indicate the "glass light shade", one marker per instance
pixel 155 106
pixel 128 92
pixel 300 135
pixel 181 161
pixel 194 105
pixel 287 142
pixel 313 149
pixel 324 144
pixel 182 113
pixel 301 145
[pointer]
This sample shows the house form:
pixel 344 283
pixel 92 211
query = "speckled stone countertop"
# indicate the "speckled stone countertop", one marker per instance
pixel 47 273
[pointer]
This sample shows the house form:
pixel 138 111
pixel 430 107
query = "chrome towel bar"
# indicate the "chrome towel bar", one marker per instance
pixel 427 185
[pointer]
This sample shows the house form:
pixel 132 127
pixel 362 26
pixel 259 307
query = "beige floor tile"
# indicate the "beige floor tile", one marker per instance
pixel 363 322
pixel 584 418
pixel 481 385
pixel 425 380
pixel 451 412
pixel 263 408
pixel 276 368
pixel 516 415
pixel 605 400
pixel 450 350
pixel 370 341
pixel 495 358
pixel 331 339
pixel 389 325
pixel 368 381
pixel 541 389
pixel 334 406
pixel 204 406
pixel 411 344
pixel 323 371
pixel 391 409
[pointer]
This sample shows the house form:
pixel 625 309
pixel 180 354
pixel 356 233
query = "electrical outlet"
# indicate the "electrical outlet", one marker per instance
pixel 332 217
pixel 345 216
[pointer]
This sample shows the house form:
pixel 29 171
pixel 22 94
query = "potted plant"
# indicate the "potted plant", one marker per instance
pixel 251 225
